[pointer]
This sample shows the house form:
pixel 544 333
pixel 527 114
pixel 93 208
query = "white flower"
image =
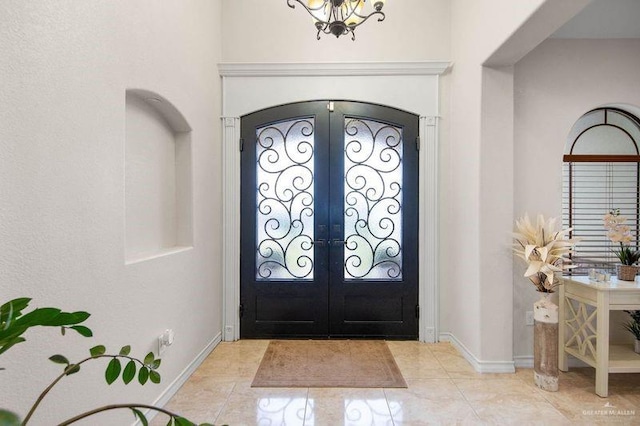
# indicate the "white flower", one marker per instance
pixel 621 234
pixel 618 233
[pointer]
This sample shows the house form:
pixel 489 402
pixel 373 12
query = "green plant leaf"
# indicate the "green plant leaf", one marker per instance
pixel 156 364
pixel 140 415
pixel 13 308
pixel 125 350
pixel 72 369
pixel 181 421
pixel 113 370
pixel 149 358
pixel 206 424
pixel 15 330
pixel 154 376
pixel 7 418
pixel 59 359
pixel 129 372
pixel 69 318
pixel 143 375
pixel 97 350
pixel 40 316
pixel 82 330
pixel 8 317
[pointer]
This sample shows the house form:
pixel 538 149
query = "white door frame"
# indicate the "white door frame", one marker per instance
pixel 411 86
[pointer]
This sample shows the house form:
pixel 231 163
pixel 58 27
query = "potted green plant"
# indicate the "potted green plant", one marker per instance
pixel 620 233
pixel 634 327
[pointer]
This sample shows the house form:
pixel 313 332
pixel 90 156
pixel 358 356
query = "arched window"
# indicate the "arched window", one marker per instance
pixel 601 172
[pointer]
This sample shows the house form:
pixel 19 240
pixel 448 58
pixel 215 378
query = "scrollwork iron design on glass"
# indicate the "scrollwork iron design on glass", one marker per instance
pixel 373 200
pixel 285 200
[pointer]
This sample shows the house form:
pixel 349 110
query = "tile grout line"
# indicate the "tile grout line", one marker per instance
pixel 466 399
pixel 542 394
pixel 306 405
pixel 384 390
pixel 441 365
pixel 453 381
pixel 386 398
pixel 226 401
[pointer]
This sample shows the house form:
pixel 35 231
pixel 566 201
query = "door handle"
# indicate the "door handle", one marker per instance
pixel 319 243
pixel 337 242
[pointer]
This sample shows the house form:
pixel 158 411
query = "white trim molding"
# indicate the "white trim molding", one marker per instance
pixel 524 361
pixel 411 86
pixel 428 223
pixel 478 365
pixel 231 228
pixel 325 69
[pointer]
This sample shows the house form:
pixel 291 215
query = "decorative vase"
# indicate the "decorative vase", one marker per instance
pixel 627 272
pixel 636 347
pixel 545 343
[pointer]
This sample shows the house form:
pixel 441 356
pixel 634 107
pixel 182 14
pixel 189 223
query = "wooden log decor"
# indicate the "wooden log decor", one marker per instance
pixel 545 344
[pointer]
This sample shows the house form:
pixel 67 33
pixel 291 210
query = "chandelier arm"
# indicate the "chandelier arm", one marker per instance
pixel 365 18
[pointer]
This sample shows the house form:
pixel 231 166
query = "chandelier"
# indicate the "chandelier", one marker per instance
pixel 340 17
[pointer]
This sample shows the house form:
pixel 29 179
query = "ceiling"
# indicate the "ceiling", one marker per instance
pixel 604 19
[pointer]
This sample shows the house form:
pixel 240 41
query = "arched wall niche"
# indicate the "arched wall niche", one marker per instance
pixel 158 177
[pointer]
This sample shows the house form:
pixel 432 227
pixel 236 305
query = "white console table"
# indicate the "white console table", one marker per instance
pixel 583 330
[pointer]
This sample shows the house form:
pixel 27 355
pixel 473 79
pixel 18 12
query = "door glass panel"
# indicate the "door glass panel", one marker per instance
pixel 373 200
pixel 285 200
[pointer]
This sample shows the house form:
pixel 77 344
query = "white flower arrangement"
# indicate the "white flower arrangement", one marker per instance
pixel 544 249
pixel 620 233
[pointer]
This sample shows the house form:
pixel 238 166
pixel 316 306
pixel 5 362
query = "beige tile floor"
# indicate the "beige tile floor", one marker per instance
pixel 443 389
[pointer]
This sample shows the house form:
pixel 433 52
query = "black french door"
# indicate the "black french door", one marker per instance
pixel 329 222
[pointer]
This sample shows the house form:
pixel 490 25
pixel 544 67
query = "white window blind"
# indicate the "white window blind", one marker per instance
pixel 590 190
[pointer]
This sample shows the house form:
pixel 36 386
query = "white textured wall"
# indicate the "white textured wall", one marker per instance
pixel 472 309
pixel 478 303
pixel 64 69
pixel 554 85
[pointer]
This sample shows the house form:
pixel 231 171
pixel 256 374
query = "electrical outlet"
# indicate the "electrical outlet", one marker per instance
pixel 161 346
pixel 164 340
pixel 529 317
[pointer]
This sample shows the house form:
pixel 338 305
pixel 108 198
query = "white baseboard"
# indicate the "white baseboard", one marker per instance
pixel 171 390
pixel 478 365
pixel 526 361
